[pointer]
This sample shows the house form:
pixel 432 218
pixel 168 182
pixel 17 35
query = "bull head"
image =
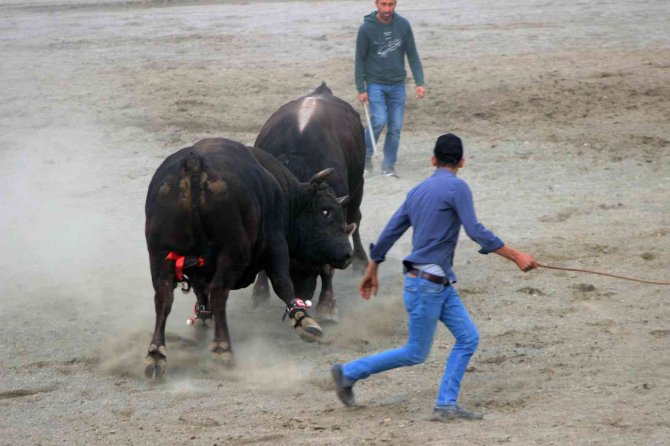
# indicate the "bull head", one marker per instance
pixel 319 230
pixel 320 177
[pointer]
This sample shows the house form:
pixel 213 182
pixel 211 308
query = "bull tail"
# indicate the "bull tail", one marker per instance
pixel 192 191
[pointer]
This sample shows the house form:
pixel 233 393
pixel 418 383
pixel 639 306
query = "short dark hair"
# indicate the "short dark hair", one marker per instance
pixel 448 149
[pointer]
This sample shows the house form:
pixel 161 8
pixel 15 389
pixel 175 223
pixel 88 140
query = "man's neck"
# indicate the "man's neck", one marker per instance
pixel 453 170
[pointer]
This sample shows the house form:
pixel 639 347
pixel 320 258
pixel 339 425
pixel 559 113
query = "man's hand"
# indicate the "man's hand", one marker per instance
pixel 363 97
pixel 523 260
pixel 420 92
pixel 370 283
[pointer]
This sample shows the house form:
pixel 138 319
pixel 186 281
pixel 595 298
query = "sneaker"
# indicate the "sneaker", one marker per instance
pixel 344 390
pixel 369 167
pixel 453 412
pixel 390 172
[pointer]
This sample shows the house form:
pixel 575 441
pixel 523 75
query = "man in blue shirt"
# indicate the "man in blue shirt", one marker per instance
pixel 436 209
pixel 382 42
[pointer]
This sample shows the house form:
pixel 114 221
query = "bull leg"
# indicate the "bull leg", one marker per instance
pixel 221 347
pixel 360 257
pixel 203 313
pixel 261 291
pixel 278 272
pixel 155 363
pixel 326 310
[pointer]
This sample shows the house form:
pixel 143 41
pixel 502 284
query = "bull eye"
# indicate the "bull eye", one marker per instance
pixel 325 212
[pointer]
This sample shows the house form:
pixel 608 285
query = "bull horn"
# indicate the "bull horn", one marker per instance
pixel 320 177
pixel 343 200
pixel 351 227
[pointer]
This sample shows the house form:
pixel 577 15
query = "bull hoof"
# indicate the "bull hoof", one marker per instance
pixel 328 313
pixel 222 354
pixel 155 363
pixel 309 330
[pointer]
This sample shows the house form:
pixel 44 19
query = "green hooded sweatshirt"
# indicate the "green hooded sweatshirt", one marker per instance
pixel 380 52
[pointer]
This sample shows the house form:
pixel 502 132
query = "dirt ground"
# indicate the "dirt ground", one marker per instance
pixel 564 109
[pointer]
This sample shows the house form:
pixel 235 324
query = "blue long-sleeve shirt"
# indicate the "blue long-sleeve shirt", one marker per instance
pixel 436 208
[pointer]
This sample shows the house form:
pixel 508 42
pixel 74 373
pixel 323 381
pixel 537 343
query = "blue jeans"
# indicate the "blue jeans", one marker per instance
pixel 426 303
pixel 387 107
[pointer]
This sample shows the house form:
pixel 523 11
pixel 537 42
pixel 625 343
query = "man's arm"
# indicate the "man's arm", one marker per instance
pixel 414 61
pixel 359 60
pixel 464 206
pixel 395 228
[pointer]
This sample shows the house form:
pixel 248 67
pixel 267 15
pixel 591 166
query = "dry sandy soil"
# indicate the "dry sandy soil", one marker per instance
pixel 564 109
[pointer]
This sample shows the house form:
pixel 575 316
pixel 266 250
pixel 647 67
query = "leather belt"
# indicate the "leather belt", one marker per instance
pixel 428 276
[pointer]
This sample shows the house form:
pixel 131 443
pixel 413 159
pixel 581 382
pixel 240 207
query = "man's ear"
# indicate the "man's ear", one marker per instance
pixel 433 160
pixel 461 163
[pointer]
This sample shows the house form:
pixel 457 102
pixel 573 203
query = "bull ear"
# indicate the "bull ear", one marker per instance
pixel 343 200
pixel 351 228
pixel 320 177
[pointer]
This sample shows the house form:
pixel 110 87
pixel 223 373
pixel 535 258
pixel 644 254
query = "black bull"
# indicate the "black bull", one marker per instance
pixel 310 134
pixel 217 213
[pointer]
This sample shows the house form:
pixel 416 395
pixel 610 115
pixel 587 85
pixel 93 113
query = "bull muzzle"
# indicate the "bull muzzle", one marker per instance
pixel 345 261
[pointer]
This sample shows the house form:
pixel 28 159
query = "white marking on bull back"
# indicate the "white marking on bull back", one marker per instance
pixel 307 109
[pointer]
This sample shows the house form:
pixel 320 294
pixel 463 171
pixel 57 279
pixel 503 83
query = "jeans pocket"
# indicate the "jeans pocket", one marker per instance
pixel 431 287
pixel 432 291
pixel 411 285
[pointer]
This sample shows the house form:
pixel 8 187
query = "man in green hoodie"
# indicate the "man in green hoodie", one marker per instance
pixel 381 44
